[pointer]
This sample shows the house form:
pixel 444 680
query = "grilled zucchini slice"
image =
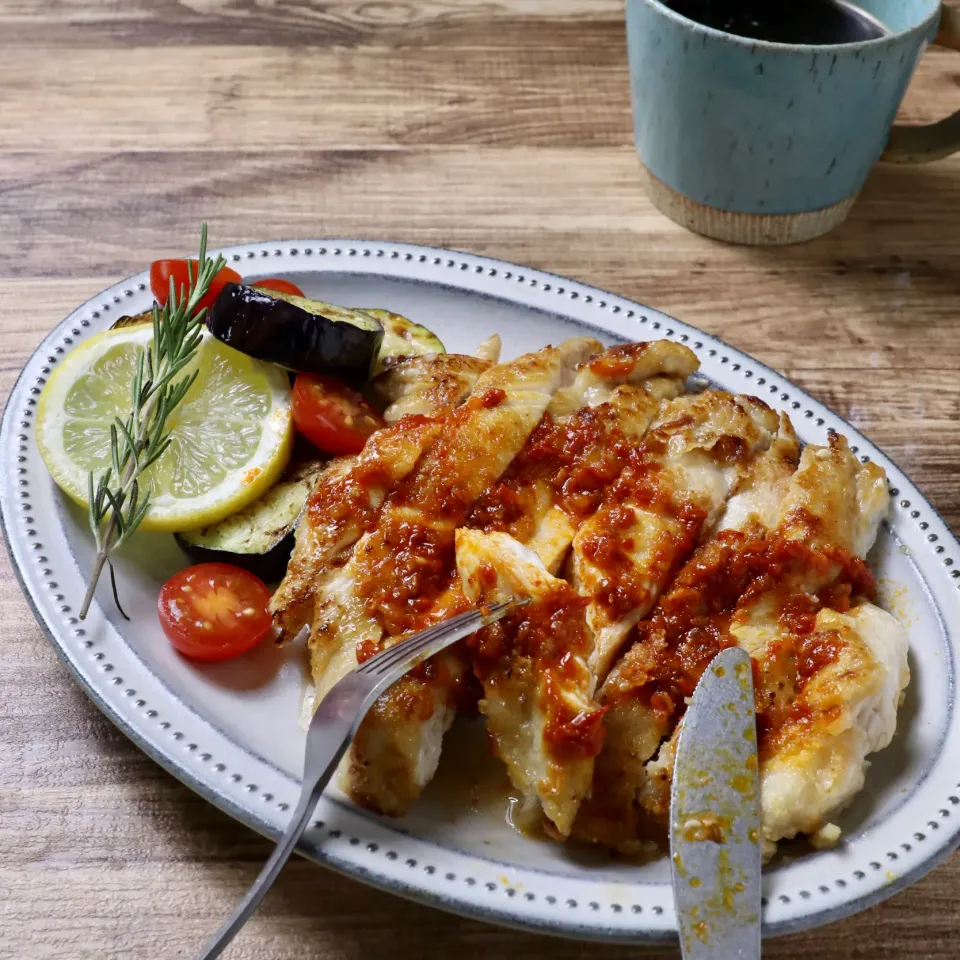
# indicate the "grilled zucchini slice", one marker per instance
pixel 402 338
pixel 260 537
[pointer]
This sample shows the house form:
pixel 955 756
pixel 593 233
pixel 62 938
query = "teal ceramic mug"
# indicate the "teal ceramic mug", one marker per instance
pixel 756 142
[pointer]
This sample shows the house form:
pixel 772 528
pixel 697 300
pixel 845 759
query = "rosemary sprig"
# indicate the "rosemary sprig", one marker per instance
pixel 117 504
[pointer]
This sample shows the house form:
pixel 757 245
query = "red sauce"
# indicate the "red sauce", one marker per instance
pixel 493 398
pixel 551 634
pixel 339 502
pixel 346 499
pixel 503 508
pixel 406 566
pixel 618 361
pixel 575 460
pixel 691 624
pixel 550 631
pixel 581 735
pixel 366 648
pixel 488 646
pixel 438 488
pixel 798 614
pixel 816 651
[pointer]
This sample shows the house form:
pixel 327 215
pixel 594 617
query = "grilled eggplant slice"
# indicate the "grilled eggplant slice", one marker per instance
pixel 260 537
pixel 401 338
pixel 296 333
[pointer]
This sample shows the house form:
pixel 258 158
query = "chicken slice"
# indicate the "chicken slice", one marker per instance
pixel 674 488
pixel 824 705
pixel 873 501
pixel 490 349
pixel 581 445
pixel 636 722
pixel 852 671
pixel 432 384
pixel 627 363
pixel 757 501
pixel 538 691
pixel 829 675
pixel 399 572
pixel 347 495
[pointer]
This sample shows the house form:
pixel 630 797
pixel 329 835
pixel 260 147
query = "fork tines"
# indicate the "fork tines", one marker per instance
pixel 405 649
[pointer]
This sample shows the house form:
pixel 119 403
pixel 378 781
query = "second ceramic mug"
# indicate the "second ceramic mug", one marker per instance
pixel 756 142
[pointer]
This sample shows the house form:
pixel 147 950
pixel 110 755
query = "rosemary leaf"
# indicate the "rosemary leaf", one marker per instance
pixel 116 507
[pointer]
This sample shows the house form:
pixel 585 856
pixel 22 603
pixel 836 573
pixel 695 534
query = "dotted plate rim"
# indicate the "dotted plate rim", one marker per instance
pixel 363 846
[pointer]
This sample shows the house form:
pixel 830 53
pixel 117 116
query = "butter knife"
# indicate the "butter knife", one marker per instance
pixel 715 816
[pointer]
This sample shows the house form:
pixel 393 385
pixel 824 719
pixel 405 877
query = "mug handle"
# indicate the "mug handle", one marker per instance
pixel 931 141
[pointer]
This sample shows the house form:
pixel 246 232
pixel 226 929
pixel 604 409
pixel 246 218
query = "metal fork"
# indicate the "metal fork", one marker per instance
pixel 333 726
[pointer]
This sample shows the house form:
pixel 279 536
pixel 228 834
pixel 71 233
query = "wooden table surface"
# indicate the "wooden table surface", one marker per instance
pixel 501 128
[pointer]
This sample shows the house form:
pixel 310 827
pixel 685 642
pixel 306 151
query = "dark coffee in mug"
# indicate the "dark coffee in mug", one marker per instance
pixel 809 22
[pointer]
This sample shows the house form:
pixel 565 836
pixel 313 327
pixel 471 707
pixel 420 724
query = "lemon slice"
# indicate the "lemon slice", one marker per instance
pixel 231 434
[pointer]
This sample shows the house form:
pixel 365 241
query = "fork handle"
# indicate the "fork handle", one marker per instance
pixel 332 728
pixel 258 890
pixel 336 719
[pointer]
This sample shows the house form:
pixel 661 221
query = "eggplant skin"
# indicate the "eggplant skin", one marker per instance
pixel 297 333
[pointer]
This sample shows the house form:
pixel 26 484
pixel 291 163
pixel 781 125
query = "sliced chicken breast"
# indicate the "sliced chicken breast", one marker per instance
pixel 348 494
pixel 681 524
pixel 852 671
pixel 641 711
pixel 538 691
pixel 830 667
pixel 674 488
pixel 398 577
pixel 430 385
pixel 830 676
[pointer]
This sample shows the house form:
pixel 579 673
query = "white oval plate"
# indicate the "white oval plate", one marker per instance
pixel 231 731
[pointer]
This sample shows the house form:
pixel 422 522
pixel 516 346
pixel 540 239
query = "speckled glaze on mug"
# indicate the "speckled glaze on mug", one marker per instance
pixel 758 142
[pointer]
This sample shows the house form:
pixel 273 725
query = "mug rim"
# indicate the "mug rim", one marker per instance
pixel 701 28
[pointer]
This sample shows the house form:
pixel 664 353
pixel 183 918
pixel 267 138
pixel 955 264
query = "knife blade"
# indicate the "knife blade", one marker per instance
pixel 715 816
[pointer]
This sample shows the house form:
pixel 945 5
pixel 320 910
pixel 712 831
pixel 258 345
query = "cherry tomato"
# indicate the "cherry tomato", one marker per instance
pixel 162 270
pixel 214 611
pixel 332 415
pixel 279 285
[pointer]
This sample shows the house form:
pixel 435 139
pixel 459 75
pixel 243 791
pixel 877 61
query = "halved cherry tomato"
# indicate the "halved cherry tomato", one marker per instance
pixel 162 270
pixel 332 415
pixel 214 611
pixel 279 285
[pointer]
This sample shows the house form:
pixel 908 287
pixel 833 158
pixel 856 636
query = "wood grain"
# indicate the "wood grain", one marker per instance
pixel 502 128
